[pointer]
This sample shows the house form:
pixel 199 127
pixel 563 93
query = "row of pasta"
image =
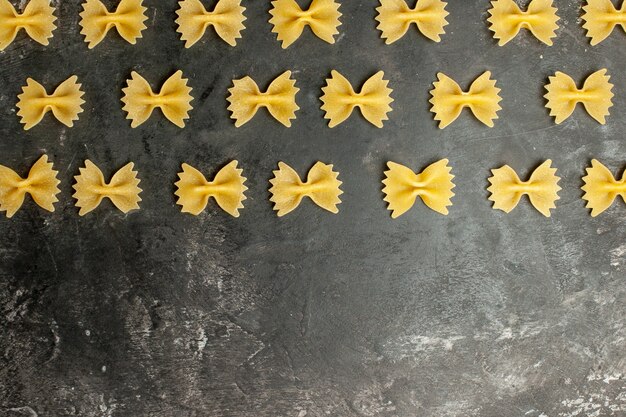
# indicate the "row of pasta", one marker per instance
pixel 339 99
pixel 288 20
pixel 402 186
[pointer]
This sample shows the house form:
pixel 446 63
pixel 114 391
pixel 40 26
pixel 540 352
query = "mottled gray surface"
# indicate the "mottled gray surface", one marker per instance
pixel 156 313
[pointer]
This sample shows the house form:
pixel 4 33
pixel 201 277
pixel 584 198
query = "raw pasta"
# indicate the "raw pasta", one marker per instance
pixel 194 191
pixel 433 185
pixel 541 188
pixel 321 186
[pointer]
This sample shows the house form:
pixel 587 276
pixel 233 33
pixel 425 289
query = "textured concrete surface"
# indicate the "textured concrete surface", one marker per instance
pixel 156 313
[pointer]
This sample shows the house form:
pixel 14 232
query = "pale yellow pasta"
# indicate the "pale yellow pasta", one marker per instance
pixel 433 185
pixel 289 20
pixel 449 100
pixel 321 186
pixel 65 103
pixel 227 188
pixel 226 18
pixel 507 19
pixel 595 95
pixel 128 19
pixel 37 20
pixel 541 188
pixel 41 184
pixel 91 188
pixel 601 17
pixel 174 99
pixel 280 99
pixel 395 17
pixel 340 99
pixel 601 188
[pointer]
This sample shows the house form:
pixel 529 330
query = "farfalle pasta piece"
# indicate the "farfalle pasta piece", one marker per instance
pixel 433 185
pixel 41 183
pixel 321 186
pixel 128 19
pixel 37 20
pixel 65 103
pixel 601 188
pixel 289 20
pixel 226 188
pixel 541 188
pixel 448 99
pixel 174 99
pixel 595 95
pixel 280 99
pixel 226 18
pixel 507 19
pixel 91 188
pixel 601 17
pixel 340 99
pixel 395 17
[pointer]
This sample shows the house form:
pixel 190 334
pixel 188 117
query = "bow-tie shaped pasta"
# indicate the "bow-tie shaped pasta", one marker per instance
pixel 226 188
pixel 601 17
pixel 449 100
pixel 289 20
pixel 433 185
pixel 174 99
pixel 37 20
pixel 41 183
pixel 601 188
pixel 507 19
pixel 595 95
pixel 226 18
pixel 65 103
pixel 128 19
pixel 340 99
pixel 279 99
pixel 395 17
pixel 507 189
pixel 321 186
pixel 91 188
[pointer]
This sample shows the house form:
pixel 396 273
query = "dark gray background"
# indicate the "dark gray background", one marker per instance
pixel 158 313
